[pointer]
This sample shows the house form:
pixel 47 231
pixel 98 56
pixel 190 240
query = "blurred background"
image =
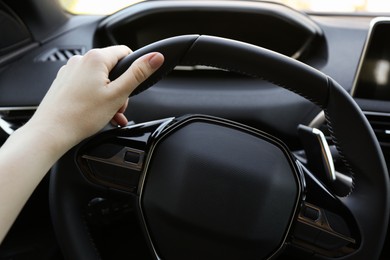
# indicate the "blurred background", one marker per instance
pixel 339 6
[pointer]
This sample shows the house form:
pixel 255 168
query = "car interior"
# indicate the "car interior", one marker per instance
pixel 264 135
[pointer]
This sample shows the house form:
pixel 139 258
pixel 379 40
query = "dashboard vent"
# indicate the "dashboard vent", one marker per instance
pixel 380 123
pixel 61 54
pixel 13 118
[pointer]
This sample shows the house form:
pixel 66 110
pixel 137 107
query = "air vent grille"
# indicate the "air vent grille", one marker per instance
pixel 61 54
pixel 380 123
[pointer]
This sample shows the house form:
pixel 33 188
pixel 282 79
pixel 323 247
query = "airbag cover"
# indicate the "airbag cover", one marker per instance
pixel 216 190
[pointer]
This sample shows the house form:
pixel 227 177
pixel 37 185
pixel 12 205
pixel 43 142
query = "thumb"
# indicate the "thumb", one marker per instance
pixel 139 71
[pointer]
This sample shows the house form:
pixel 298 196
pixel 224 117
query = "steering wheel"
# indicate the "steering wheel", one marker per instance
pixel 207 187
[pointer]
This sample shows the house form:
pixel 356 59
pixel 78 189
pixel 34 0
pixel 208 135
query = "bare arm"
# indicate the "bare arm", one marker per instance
pixel 80 102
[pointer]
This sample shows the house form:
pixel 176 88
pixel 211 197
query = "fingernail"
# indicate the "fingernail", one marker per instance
pixel 114 123
pixel 156 60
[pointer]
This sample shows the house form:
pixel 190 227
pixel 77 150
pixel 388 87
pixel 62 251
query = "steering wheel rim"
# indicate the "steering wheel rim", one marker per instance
pixel 366 162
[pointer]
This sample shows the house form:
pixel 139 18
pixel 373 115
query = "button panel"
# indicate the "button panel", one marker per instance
pixel 313 231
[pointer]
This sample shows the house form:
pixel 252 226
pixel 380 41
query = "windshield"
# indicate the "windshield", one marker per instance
pixel 334 6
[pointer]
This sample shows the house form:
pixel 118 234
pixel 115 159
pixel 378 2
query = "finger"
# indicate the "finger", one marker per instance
pixel 71 62
pixel 108 56
pixel 74 59
pixel 113 122
pixel 120 119
pixel 116 53
pixel 140 70
pixel 124 107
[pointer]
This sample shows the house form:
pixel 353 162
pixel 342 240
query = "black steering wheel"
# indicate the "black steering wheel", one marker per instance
pixel 210 188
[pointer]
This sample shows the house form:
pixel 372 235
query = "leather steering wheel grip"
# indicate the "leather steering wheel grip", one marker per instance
pixel 234 56
pixel 356 141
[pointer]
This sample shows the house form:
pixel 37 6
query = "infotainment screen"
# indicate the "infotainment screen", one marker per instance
pixel 373 75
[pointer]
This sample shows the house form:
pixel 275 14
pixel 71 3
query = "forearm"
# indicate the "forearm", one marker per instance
pixel 25 158
pixel 79 103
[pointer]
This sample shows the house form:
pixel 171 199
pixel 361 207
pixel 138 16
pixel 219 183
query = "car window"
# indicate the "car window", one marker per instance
pixel 343 6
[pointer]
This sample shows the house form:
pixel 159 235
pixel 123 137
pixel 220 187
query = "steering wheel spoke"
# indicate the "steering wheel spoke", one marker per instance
pixel 324 226
pixel 115 159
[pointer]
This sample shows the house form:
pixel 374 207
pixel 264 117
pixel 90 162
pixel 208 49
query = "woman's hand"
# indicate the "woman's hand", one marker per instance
pixel 82 99
pixel 80 102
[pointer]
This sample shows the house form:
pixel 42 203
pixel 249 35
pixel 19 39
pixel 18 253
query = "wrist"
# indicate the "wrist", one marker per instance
pixel 52 137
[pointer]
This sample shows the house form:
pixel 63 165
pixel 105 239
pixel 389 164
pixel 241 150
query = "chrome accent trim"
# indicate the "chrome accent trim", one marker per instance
pixel 318 120
pixel 164 122
pixel 326 154
pixel 373 113
pixel 373 23
pixel 119 159
pixel 196 67
pixel 345 179
pixel 2 109
pixel 239 126
pixel 4 124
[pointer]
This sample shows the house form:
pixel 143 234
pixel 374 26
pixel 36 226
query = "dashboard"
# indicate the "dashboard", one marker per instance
pixel 353 50
pixel 371 88
pixel 326 43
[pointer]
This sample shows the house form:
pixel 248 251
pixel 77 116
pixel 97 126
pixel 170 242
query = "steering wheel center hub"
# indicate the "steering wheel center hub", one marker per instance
pixel 218 189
